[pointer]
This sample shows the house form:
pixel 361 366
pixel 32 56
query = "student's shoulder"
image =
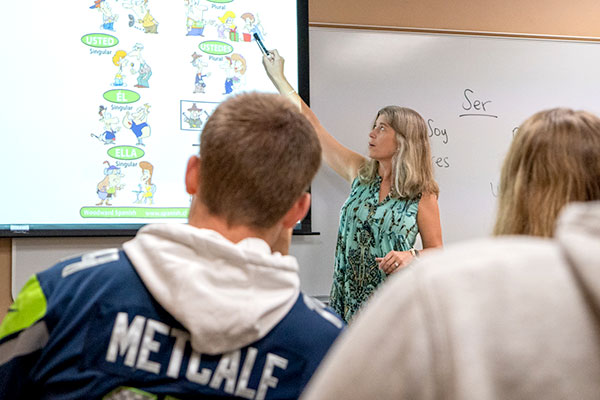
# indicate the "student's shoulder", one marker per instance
pixel 70 282
pixel 514 262
pixel 307 332
pixel 309 319
pixel 320 313
pixel 106 265
pixel 486 255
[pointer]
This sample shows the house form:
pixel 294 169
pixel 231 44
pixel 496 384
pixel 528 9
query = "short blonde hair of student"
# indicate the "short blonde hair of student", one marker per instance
pixel 258 156
pixel 412 168
pixel 553 160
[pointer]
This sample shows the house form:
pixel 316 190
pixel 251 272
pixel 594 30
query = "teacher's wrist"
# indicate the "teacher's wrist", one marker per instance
pixel 414 252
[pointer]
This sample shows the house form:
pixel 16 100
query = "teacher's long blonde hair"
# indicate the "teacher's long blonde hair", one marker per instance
pixel 411 165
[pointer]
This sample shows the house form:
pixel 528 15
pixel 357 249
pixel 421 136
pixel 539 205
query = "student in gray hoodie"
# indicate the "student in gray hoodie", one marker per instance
pixel 511 317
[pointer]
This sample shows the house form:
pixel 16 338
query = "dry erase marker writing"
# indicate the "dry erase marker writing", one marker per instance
pixel 261 45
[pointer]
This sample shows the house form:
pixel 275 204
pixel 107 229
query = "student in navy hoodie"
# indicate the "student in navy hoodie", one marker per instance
pixel 207 309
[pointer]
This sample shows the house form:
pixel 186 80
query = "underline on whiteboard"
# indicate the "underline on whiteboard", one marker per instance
pixel 478 115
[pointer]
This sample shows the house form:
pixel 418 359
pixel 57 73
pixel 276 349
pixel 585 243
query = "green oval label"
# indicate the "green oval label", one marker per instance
pixel 126 152
pixel 215 47
pixel 220 1
pixel 121 96
pixel 100 40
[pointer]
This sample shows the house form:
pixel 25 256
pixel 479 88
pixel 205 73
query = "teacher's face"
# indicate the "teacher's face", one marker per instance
pixel 382 140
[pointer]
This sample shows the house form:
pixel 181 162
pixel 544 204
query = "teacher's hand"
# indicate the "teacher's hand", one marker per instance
pixel 394 260
pixel 273 64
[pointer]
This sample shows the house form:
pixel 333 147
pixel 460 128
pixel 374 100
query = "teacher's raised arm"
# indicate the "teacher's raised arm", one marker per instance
pixel 342 160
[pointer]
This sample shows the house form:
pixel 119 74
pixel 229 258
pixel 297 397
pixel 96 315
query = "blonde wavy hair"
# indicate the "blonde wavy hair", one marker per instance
pixel 553 160
pixel 412 168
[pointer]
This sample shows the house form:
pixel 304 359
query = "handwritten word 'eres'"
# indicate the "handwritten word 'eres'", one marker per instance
pixel 477 107
pixel 440 162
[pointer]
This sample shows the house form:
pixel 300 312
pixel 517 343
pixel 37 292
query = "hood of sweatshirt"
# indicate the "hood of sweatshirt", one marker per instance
pixel 227 295
pixel 578 235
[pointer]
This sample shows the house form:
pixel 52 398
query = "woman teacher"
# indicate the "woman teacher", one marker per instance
pixel 393 197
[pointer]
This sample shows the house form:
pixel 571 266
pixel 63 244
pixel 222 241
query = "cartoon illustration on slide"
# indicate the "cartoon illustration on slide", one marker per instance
pixel 227 26
pixel 146 189
pixel 144 72
pixel 149 24
pixel 195 22
pixel 140 17
pixel 119 60
pixel 138 124
pixel 235 69
pixel 196 118
pixel 252 25
pixel 194 114
pixel 199 84
pixel 110 125
pixel 138 10
pixel 108 186
pixel 108 18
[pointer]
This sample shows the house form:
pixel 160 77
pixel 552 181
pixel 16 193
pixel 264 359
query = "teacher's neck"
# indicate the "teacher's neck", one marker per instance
pixel 385 170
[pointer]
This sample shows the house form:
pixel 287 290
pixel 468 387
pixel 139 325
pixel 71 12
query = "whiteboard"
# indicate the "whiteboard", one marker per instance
pixel 353 73
pixel 473 91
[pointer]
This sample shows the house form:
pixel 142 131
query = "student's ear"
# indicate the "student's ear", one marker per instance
pixel 297 212
pixel 192 175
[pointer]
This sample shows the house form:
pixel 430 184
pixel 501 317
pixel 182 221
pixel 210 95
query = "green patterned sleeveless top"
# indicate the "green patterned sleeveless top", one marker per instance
pixel 368 229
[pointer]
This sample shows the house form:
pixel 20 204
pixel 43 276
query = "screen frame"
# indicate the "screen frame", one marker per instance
pixel 304 227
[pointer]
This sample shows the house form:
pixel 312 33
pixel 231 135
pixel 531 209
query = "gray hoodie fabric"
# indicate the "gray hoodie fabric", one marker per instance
pixel 226 295
pixel 502 318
